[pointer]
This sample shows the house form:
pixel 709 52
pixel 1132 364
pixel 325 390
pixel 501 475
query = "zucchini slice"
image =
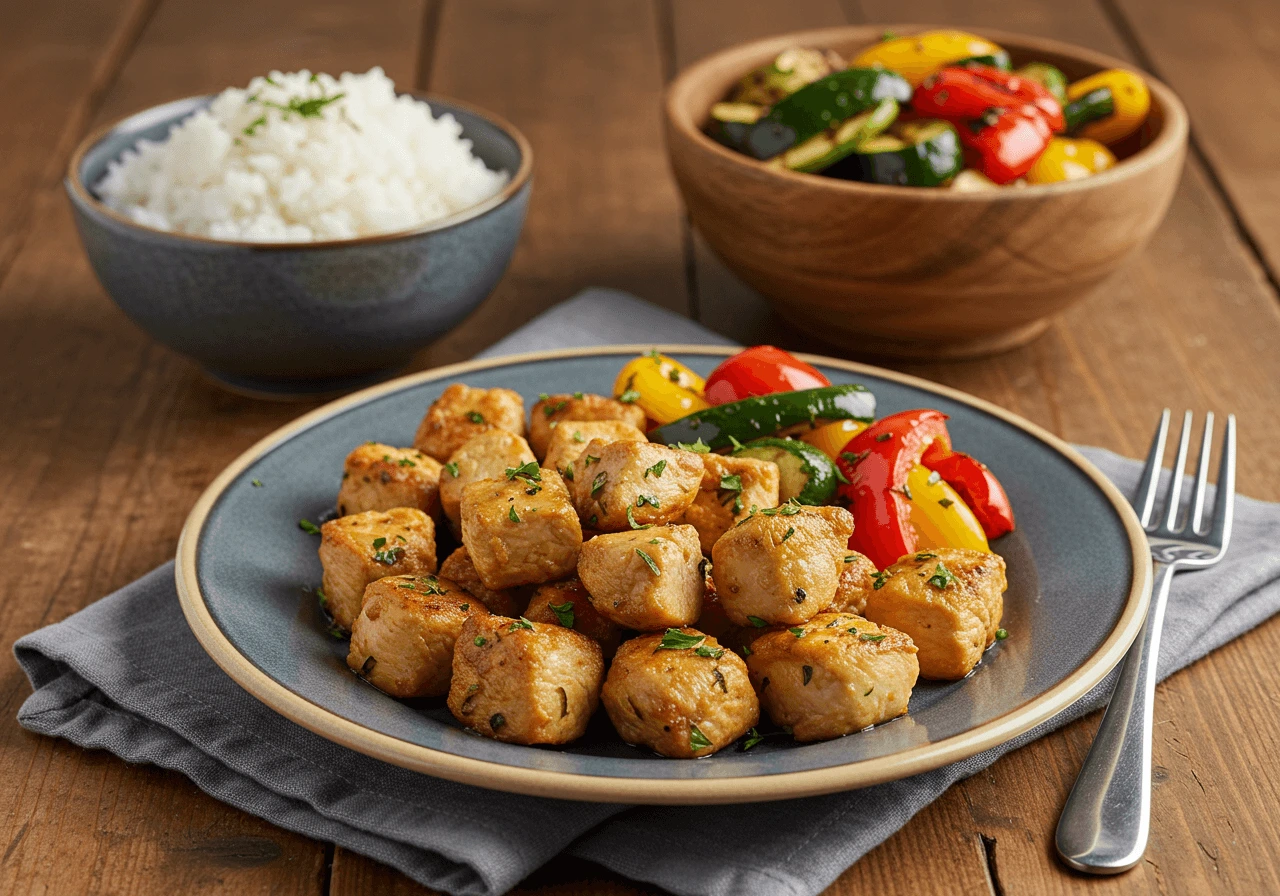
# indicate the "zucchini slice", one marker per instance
pixel 806 473
pixel 914 154
pixel 823 151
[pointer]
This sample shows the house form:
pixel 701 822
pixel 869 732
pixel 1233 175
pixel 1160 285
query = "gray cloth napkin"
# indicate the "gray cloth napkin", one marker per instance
pixel 126 675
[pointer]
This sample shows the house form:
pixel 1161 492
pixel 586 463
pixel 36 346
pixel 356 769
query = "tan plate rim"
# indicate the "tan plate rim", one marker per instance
pixel 564 785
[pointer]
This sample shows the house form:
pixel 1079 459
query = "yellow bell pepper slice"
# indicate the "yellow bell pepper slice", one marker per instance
pixel 1067 159
pixel 941 517
pixel 920 55
pixel 1130 96
pixel 663 388
pixel 831 438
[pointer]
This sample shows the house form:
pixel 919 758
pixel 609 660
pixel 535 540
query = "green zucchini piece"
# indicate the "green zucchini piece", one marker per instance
pixel 821 105
pixel 998 60
pixel 1093 105
pixel 914 154
pixel 1050 77
pixel 806 473
pixel 751 418
pixel 825 150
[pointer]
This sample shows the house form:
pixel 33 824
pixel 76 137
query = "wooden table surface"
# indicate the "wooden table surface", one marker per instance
pixel 107 438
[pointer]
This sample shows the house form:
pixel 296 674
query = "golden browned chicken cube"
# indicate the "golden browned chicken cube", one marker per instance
pixel 486 456
pixel 680 694
pixel 833 675
pixel 647 579
pixel 731 486
pixel 379 477
pixel 458 568
pixel 621 485
pixel 524 682
pixel 364 547
pixel 402 641
pixel 857 580
pixel 551 410
pixel 570 438
pixel 521 530
pixel 949 600
pixel 462 412
pixel 781 566
pixel 567 603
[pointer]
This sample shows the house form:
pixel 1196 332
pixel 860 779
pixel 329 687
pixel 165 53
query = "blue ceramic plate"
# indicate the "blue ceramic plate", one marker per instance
pixel 1079 582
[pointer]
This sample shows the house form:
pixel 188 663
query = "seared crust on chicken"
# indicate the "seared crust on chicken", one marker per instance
pixel 402 641
pixel 834 675
pixel 731 486
pixel 645 579
pixel 781 567
pixel 364 547
pixel 458 568
pixel 522 530
pixel 570 438
pixel 617 486
pixel 567 603
pixel 524 682
pixel 949 600
pixel 379 477
pixel 462 412
pixel 486 456
pixel 857 581
pixel 546 416
pixel 683 703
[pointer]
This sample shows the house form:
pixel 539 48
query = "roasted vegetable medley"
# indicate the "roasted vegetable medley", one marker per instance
pixel 936 109
pixel 689 554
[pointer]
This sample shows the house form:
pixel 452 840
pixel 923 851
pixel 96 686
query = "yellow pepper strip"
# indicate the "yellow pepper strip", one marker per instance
pixel 832 437
pixel 1067 159
pixel 920 55
pixel 664 389
pixel 940 516
pixel 1132 101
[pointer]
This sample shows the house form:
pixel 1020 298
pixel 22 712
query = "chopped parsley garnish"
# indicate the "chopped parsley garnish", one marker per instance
pixel 697 740
pixel 798 632
pixel 431 585
pixel 714 652
pixel 791 530
pixel 854 457
pixel 567 472
pixel 388 557
pixel 379 542
pixel 578 395
pixel 521 623
pixel 578 437
pixel 656 470
pixel 598 482
pixel 884 437
pixel 746 650
pixel 475 417
pixel 631 396
pixel 642 500
pixel 654 541
pixel 653 567
pixel 309 527
pixel 757 621
pixel 463 607
pixel 926 555
pixel 1001 634
pixel 528 472
pixel 698 447
pixel 674 639
pixel 941 578
pixel 480 641
pixel 324 600
pixel 589 460
pixel 564 613
pixel 405 462
pixel 849 558
pixel 788 509
pixel 512 515
pixel 632 520
pixel 945 502
pixel 731 483
pixel 878 579
pixel 452 467
pixel 808 673
pixel 256 483
pixel 868 637
pixel 337 632
pixel 753 737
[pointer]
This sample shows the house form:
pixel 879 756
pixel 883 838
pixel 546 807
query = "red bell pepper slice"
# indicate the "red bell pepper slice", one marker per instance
pixel 974 482
pixel 1005 144
pixel 876 463
pixel 762 370
pixel 962 93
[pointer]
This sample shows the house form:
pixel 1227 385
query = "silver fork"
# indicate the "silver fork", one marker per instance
pixel 1107 817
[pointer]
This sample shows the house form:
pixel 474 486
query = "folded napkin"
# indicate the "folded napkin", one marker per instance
pixel 126 675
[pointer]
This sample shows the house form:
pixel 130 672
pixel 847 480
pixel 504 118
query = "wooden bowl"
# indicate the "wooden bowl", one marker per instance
pixel 917 272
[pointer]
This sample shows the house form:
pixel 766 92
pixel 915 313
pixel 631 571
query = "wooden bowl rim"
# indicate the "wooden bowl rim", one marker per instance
pixel 1168 143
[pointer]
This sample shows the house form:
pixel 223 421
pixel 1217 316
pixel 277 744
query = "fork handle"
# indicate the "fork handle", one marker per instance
pixel 1104 825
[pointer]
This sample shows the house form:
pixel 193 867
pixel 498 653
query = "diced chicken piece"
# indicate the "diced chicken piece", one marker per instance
pixel 949 600
pixel 524 682
pixel 680 694
pixel 731 486
pixel 364 547
pixel 402 641
pixel 547 415
pixel 781 566
pixel 522 530
pixel 380 477
pixel 621 485
pixel 833 675
pixel 458 568
pixel 486 456
pixel 462 412
pixel 647 579
pixel 567 603
pixel 570 438
pixel 857 580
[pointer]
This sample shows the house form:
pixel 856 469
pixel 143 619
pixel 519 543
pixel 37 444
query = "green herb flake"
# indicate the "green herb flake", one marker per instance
pixel 698 447
pixel 475 417
pixel 798 632
pixel 528 472
pixel 578 437
pixel 656 470
pixel 309 527
pixel 388 557
pixel 631 519
pixel 567 473
pixel 578 395
pixel 589 460
pixel 379 542
pixel 653 567
pixel 884 437
pixel 849 558
pixel 405 462
pixel 512 515
pixel 791 530
pixel 519 624
pixel 674 639
pixel 714 652
pixel 731 483
pixel 808 673
pixel 854 457
pixel 753 737
pixel 757 621
pixel 941 578
pixel 1001 634
pixel 697 740
pixel 256 483
pixel 551 409
pixel 452 467
pixel 746 650
pixel 878 579
pixel 598 482
pixel 865 636
pixel 926 555
pixel 642 500
pixel 464 607
pixel 564 613
pixel 324 599
pixel 480 641
pixel 631 396
pixel 945 502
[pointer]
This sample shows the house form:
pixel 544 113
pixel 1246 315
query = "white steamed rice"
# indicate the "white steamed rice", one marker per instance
pixel 246 169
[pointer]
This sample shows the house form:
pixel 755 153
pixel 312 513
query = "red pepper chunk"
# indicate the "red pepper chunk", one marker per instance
pixel 761 370
pixel 976 484
pixel 962 93
pixel 876 463
pixel 1005 144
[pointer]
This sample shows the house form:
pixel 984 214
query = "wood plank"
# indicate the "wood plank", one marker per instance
pixel 119 437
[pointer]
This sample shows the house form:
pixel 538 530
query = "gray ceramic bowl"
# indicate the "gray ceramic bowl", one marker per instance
pixel 300 318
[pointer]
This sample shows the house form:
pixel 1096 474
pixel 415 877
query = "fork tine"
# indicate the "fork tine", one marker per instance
pixel 1179 470
pixel 1224 502
pixel 1144 498
pixel 1195 521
